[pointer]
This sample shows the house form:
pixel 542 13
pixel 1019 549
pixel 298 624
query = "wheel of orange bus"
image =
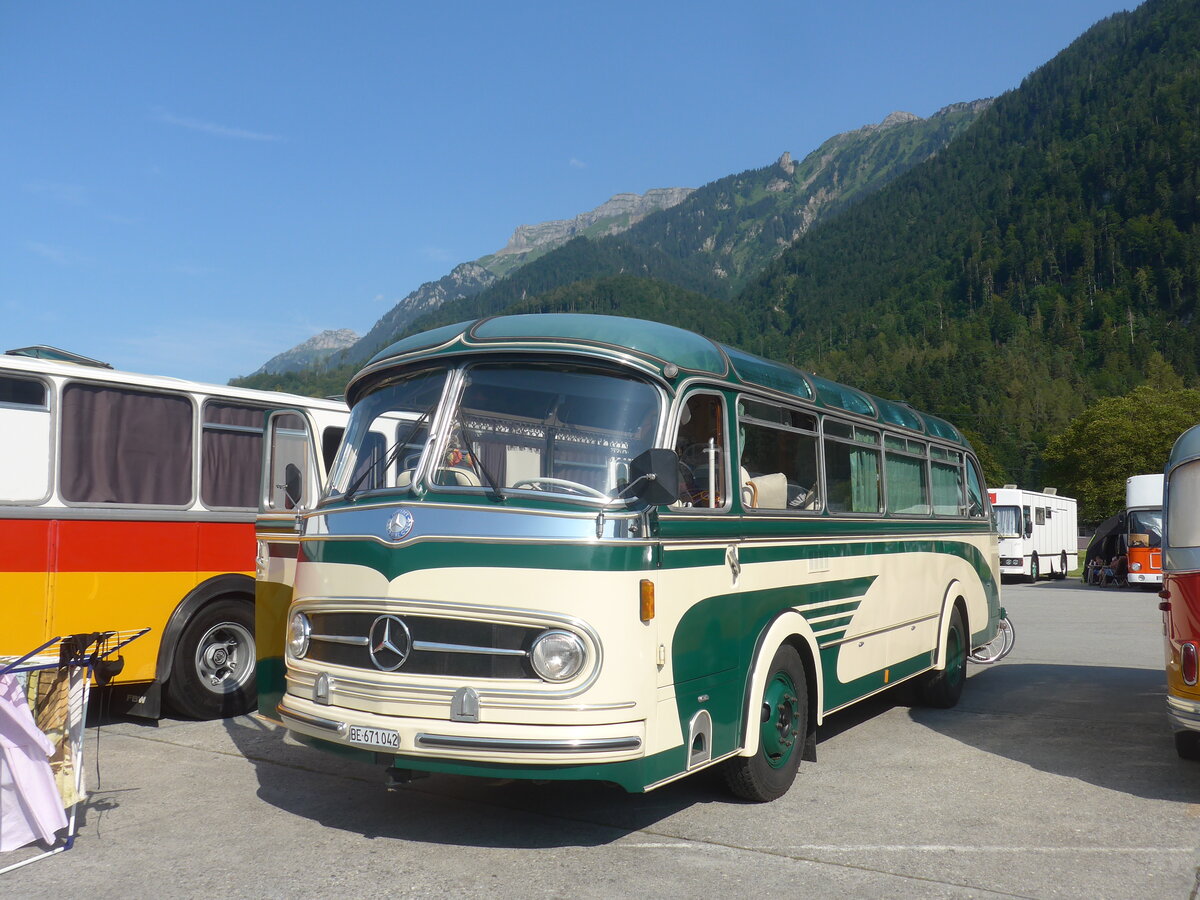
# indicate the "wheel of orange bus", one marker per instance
pixel 942 688
pixel 783 728
pixel 213 672
pixel 1187 744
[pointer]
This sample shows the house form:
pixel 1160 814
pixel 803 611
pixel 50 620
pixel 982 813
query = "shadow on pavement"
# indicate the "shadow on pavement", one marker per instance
pixel 1103 725
pixel 454 810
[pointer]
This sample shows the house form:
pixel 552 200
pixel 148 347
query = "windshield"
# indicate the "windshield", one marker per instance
pixel 565 431
pixel 387 434
pixel 1145 528
pixel 1008 520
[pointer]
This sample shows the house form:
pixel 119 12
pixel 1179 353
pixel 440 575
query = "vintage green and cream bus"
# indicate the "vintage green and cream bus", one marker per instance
pixel 604 548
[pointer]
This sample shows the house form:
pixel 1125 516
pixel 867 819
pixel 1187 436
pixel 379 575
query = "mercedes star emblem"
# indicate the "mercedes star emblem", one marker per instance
pixel 400 524
pixel 389 642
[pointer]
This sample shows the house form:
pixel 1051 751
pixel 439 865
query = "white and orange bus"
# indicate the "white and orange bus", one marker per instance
pixel 128 501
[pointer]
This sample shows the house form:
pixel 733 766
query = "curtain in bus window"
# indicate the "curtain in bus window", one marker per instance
pixel 121 446
pixel 864 479
pixel 1008 520
pixel 907 490
pixel 231 455
pixel 947 489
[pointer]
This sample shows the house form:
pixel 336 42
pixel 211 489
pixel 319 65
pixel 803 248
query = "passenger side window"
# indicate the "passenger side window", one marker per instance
pixel 231 454
pixel 947 473
pixel 907 480
pixel 852 471
pixel 976 507
pixel 701 448
pixel 779 468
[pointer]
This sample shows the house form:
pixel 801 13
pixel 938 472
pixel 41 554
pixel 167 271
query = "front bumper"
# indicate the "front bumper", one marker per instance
pixel 472 741
pixel 1183 714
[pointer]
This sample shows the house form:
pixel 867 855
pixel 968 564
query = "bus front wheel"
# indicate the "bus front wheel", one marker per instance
pixel 212 674
pixel 1034 570
pixel 783 728
pixel 942 688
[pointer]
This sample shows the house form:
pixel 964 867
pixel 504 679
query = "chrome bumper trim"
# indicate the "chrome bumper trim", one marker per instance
pixel 312 721
pixel 1184 714
pixel 528 745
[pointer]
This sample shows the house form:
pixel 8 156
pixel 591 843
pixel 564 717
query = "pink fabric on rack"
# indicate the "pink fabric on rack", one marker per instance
pixel 30 807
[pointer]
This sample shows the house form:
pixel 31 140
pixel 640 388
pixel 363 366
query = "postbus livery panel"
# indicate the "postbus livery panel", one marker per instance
pixel 128 501
pixel 602 548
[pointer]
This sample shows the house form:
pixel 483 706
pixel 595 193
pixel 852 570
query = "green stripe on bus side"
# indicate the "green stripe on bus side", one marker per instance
pixel 713 648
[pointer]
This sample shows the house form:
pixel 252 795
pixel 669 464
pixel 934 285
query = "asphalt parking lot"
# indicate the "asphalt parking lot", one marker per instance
pixel 1055 776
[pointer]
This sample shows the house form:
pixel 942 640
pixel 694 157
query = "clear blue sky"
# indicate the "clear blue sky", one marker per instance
pixel 189 189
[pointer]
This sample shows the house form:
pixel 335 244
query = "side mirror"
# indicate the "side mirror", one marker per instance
pixel 654 477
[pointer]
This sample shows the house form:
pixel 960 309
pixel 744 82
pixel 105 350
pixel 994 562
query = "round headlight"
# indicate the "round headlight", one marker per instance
pixel 299 631
pixel 1135 567
pixel 557 655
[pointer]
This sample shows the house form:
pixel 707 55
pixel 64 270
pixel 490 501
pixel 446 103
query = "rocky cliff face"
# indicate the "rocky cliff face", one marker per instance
pixel 611 217
pixel 466 280
pixel 312 352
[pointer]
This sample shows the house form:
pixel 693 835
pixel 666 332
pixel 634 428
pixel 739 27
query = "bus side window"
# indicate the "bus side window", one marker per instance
pixel 331 439
pixel 701 448
pixel 779 468
pixel 976 508
pixel 288 462
pixel 231 438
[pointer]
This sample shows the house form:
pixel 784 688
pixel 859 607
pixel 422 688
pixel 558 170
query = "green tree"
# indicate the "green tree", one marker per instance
pixel 1115 438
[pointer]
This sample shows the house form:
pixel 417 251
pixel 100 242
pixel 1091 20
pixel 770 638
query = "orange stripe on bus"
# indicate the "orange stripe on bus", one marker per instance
pixel 76 545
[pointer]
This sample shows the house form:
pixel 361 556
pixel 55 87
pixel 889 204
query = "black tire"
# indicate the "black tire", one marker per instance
pixel 1034 570
pixel 942 688
pixel 212 674
pixel 1187 744
pixel 1062 566
pixel 783 730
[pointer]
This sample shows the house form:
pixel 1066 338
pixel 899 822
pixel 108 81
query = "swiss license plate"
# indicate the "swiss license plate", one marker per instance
pixel 374 737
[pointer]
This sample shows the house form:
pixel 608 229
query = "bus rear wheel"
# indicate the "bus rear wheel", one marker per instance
pixel 212 675
pixel 942 688
pixel 783 728
pixel 1187 744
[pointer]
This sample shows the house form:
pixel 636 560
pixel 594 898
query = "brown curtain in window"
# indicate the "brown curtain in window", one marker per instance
pixel 121 446
pixel 231 461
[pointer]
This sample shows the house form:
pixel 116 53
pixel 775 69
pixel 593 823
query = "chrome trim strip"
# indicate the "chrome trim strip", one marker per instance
pixel 527 745
pixel 362 641
pixel 896 627
pixel 313 721
pixel 463 648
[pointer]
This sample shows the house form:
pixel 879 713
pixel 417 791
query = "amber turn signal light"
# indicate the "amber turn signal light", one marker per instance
pixel 647 597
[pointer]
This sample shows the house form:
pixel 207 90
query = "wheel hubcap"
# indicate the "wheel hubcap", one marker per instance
pixel 780 719
pixel 225 657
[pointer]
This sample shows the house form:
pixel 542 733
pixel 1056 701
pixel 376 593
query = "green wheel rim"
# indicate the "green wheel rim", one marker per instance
pixel 780 720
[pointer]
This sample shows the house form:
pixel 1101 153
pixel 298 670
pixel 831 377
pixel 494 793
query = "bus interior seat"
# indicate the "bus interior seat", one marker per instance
pixel 447 475
pixel 772 490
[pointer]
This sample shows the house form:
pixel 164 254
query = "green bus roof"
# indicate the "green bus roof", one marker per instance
pixel 674 353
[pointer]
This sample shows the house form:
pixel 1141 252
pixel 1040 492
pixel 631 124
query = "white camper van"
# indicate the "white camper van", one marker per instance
pixel 1038 532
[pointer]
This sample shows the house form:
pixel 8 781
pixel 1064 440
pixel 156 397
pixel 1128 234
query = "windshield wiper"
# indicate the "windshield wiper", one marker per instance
pixel 477 458
pixel 391 453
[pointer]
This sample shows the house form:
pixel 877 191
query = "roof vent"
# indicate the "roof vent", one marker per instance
pixel 41 351
pixel 1051 491
pixel 1010 487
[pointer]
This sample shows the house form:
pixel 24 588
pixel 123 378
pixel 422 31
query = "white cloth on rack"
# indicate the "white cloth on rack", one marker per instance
pixel 30 805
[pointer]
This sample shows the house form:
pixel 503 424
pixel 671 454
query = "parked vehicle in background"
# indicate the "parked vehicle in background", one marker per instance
pixel 1039 532
pixel 128 501
pixel 1144 528
pixel 611 549
pixel 1181 591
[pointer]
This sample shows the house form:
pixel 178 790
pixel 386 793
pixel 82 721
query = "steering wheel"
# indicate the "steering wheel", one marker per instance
pixel 574 486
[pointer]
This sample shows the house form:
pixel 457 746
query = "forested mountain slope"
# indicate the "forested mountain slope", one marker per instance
pixel 1037 263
